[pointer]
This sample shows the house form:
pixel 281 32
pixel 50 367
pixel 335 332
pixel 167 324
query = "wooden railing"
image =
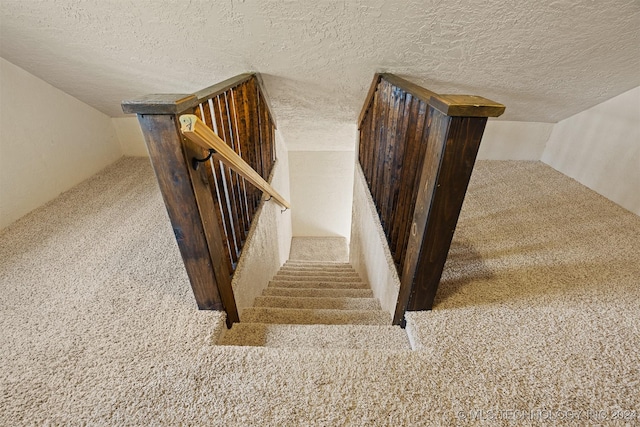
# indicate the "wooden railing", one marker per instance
pixel 210 205
pixel 417 150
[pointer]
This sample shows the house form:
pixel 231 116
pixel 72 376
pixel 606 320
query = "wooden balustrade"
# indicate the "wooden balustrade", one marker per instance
pixel 417 150
pixel 210 205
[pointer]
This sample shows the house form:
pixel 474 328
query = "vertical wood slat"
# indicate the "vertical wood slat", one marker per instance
pixel 246 141
pixel 236 178
pixel 381 139
pixel 252 93
pixel 224 202
pixel 217 188
pixel 235 125
pixel 413 179
pixel 265 150
pixel 228 175
pixel 372 134
pixel 389 154
pixel 399 166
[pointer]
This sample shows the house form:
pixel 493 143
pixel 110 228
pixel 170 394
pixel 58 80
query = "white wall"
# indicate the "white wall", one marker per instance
pixel 600 148
pixel 49 142
pixel 269 241
pixel 130 136
pixel 505 140
pixel 368 250
pixel 321 192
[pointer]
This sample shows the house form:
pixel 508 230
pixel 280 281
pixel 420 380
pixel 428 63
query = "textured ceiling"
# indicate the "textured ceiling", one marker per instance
pixel 545 60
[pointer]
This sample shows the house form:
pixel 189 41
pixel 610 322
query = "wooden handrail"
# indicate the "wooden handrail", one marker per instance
pixel 198 132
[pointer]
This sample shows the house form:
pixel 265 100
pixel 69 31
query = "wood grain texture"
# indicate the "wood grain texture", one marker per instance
pixel 160 104
pixel 451 152
pixel 164 143
pixel 438 124
pixel 417 149
pixel 467 106
pixel 369 99
pixel 210 223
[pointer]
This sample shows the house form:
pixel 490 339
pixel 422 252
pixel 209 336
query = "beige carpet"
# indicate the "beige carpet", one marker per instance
pixel 538 315
pixel 332 249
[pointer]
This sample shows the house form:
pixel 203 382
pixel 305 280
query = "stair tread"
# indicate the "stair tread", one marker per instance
pixel 324 284
pixel 314 316
pixel 340 303
pixel 317 336
pixel 318 292
pixel 305 278
pixel 285 273
pixel 319 263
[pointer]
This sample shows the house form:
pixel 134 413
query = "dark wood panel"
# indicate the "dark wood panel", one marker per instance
pixel 252 99
pixel 264 137
pixel 246 141
pixel 237 134
pixel 208 215
pixel 164 143
pixel 391 148
pixel 413 179
pixel 461 149
pixel 438 134
pixel 398 161
pixel 402 167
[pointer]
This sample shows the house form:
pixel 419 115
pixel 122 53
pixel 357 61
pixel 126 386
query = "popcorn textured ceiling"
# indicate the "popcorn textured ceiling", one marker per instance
pixel 545 60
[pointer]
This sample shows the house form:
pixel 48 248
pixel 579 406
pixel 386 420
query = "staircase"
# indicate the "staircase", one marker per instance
pixel 316 304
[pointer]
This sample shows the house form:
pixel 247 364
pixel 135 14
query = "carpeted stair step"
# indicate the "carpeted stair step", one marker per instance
pixel 340 275
pixel 351 337
pixel 320 316
pixel 315 268
pixel 319 264
pixel 318 293
pixel 318 303
pixel 326 284
pixel 317 278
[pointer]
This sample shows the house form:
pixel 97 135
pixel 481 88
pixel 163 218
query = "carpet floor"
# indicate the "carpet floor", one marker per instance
pixel 536 322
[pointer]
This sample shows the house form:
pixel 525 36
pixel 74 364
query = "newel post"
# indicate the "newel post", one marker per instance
pixel 455 125
pixel 187 198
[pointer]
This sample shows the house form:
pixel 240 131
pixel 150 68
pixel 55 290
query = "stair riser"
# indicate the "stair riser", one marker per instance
pixel 318 303
pixel 316 284
pixel 321 293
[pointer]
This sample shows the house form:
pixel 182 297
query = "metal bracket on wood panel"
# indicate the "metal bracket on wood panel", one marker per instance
pixel 195 162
